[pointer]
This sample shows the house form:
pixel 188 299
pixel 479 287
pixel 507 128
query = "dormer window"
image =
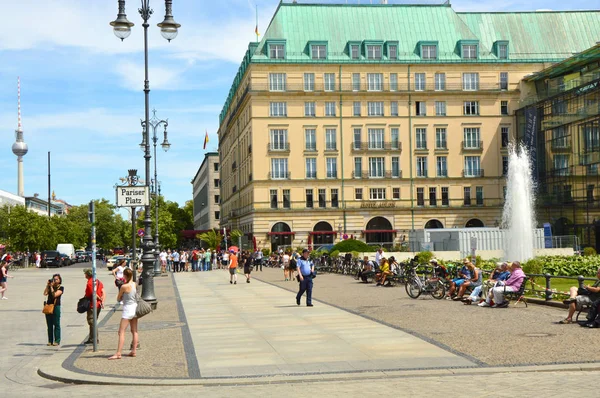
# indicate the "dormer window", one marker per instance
pixel 276 49
pixel 318 51
pixel 354 51
pixel 373 51
pixel 469 51
pixel 502 49
pixel 392 51
pixel 429 52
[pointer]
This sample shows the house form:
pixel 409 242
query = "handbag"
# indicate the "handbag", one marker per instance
pixel 143 308
pixel 83 305
pixel 48 308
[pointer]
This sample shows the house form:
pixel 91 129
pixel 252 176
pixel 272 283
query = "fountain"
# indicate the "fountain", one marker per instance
pixel 518 216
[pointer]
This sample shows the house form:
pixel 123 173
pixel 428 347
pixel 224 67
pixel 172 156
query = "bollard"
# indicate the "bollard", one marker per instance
pixel 548 287
pixel 580 280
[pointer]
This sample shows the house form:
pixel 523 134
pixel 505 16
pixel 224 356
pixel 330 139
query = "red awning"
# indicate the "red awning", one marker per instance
pixel 323 233
pixel 377 231
pixel 281 233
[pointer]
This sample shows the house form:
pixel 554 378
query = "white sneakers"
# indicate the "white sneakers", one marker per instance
pixel 483 304
pixel 4 298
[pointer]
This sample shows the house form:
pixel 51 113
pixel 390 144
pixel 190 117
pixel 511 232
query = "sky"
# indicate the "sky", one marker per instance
pixel 81 87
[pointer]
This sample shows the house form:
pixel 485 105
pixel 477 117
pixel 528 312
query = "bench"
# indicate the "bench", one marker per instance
pixel 584 307
pixel 518 295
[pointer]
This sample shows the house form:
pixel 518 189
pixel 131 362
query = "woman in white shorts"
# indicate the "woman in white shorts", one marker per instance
pixel 127 294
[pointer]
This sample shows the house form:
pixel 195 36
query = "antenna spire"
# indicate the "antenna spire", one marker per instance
pixel 20 126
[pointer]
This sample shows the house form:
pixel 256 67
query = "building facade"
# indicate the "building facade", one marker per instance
pixel 369 121
pixel 206 193
pixel 560 123
pixel 40 206
pixel 9 199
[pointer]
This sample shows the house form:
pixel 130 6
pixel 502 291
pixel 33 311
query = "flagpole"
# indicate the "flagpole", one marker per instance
pixel 256 31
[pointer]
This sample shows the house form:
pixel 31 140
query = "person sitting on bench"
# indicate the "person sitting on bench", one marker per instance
pixel 581 297
pixel 464 274
pixel 384 271
pixel 497 278
pixel 474 282
pixel 512 284
pixel 368 267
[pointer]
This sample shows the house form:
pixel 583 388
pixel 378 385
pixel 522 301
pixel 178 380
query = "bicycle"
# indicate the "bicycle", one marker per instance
pixel 417 285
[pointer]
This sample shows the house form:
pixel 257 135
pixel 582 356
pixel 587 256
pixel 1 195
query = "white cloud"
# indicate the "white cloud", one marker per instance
pixel 162 78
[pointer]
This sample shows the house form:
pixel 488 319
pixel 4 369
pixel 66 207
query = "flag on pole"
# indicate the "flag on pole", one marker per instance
pixel 206 139
pixel 256 31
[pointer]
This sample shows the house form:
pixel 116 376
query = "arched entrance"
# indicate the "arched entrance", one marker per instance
pixel 281 235
pixel 379 231
pixel 323 234
pixel 474 223
pixel 434 224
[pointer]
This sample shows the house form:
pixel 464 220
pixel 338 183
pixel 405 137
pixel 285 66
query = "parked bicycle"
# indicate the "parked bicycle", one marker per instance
pixel 429 283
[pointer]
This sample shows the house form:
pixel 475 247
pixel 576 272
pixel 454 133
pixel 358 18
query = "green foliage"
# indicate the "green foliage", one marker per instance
pixel 570 265
pixel 353 245
pixel 589 251
pixel 266 252
pixel 533 266
pixel 334 253
pixel 235 235
pixel 424 257
pixel 355 254
pixel 212 238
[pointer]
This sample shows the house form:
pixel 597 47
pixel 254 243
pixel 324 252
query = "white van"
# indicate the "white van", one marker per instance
pixel 68 249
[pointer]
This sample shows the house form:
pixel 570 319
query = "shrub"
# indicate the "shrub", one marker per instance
pixel 533 266
pixel 334 253
pixel 424 257
pixel 589 251
pixel 266 252
pixel 355 254
pixel 353 245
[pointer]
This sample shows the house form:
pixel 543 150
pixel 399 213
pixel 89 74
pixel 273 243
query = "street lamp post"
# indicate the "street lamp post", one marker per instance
pixel 122 29
pixel 154 123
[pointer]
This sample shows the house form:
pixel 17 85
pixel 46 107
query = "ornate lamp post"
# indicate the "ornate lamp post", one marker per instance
pixel 122 29
pixel 154 123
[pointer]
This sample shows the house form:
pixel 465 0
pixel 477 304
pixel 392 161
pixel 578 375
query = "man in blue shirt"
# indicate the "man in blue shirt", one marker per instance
pixel 306 269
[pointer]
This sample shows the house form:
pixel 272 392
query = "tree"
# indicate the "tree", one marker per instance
pixel 212 238
pixel 235 237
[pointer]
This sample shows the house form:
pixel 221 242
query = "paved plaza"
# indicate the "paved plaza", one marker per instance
pixel 252 339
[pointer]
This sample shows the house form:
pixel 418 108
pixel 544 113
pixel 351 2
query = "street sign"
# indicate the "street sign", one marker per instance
pixel 141 232
pixel 473 249
pixel 132 196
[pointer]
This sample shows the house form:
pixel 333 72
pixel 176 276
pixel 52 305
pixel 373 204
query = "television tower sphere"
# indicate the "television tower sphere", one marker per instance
pixel 20 148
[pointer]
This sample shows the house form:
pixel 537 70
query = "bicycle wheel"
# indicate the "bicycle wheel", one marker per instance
pixel 413 288
pixel 439 291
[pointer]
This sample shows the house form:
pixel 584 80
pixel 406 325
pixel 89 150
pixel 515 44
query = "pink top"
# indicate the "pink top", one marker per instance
pixel 515 280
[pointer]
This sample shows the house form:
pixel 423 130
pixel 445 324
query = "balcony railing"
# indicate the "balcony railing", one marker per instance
pixel 560 146
pixel 278 148
pixel 383 146
pixel 472 145
pixel 310 148
pixel 472 173
pixel 279 176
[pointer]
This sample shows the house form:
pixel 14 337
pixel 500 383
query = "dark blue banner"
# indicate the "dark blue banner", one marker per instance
pixel 530 138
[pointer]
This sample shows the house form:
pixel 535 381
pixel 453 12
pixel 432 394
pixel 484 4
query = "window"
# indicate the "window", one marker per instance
pixel 470 81
pixel 286 199
pixel 420 197
pixel 310 139
pixel 217 199
pixel 318 51
pixel 376 138
pixel 357 167
pixel 356 108
pixel 504 107
pixel 503 80
pixel 330 140
pixel 334 197
pixel 393 51
pixel 471 136
pixel 309 198
pixel 322 198
pixel 504 165
pixel 375 108
pixel 376 168
pixel 472 166
pixel 432 196
pixel 377 193
pixel 419 81
pixel 395 166
pixel 393 108
pixel 420 108
pixel 421 166
pixel 358 193
pixel 373 52
pixel 442 166
pixel 504 136
pixel 479 196
pixel 561 165
pixel 278 109
pixel 277 81
pixel 429 52
pixel 445 196
pixel 279 140
pixel 590 193
pixel 440 138
pixel 440 81
pixel 467 196
pixel 374 81
pixel 331 164
pixel 329 80
pixel 394 132
pixel 273 198
pixel 591 138
pixel 311 167
pixel 393 82
pixel 330 108
pixel 279 168
pixel 356 82
pixel 357 137
pixel 471 108
pixel 216 166
pixel 503 51
pixel 309 109
pixel 469 51
pixel 559 138
pixel 309 82
pixel 216 182
pixel 217 215
pixel 276 51
pixel 440 108
pixel 396 193
pixel 421 138
pixel 354 51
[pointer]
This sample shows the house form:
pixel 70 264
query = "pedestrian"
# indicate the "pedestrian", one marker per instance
pixel 248 264
pixel 54 292
pixel 100 297
pixel 38 260
pixel 4 279
pixel 195 254
pixel 118 272
pixel 258 256
pixel 163 261
pixel 285 264
pixel 170 261
pixel 127 294
pixel 233 263
pixel 175 261
pixel 225 259
pixel 184 264
pixel 206 260
pixel 306 271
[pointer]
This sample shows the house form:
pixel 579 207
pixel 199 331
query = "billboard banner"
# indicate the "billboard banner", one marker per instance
pixel 530 138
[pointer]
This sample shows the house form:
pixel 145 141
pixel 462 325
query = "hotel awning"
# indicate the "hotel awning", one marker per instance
pixel 377 231
pixel 281 233
pixel 323 233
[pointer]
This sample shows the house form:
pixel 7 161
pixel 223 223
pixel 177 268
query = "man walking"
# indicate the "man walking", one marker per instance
pixel 258 259
pixel 206 260
pixel 176 261
pixel 306 270
pixel 100 297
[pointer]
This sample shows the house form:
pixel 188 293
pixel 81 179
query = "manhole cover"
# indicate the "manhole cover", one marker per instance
pixel 538 335
pixel 148 326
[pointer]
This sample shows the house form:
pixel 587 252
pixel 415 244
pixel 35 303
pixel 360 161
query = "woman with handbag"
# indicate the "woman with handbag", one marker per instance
pixel 127 294
pixel 52 308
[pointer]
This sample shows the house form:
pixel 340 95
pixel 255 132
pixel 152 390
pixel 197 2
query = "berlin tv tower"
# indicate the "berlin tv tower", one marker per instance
pixel 19 148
